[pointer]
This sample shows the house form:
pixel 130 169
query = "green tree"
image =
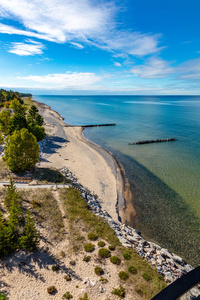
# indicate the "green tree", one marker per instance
pixel 21 151
pixel 17 106
pixel 34 118
pixel 38 132
pixel 11 193
pixel 30 237
pixel 4 121
pixel 17 122
pixel 1 139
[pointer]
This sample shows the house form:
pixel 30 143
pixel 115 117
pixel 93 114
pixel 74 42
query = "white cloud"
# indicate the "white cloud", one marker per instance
pixel 117 64
pixel 76 22
pixel 25 49
pixel 67 80
pixel 189 69
pixel 77 45
pixel 154 68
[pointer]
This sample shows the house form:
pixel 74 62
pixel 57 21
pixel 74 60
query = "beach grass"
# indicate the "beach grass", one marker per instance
pixel 49 175
pixel 82 220
pixel 4 170
pixel 28 101
pixel 45 208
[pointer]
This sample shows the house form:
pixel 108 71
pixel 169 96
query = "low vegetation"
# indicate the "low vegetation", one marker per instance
pixel 123 275
pixel 105 253
pixel 45 208
pixel 89 247
pixel 51 289
pixel 101 243
pixel 120 292
pixel 126 255
pixel 67 295
pixel 55 268
pixel 3 297
pixel 98 270
pixel 115 260
pixel 132 270
pixel 92 236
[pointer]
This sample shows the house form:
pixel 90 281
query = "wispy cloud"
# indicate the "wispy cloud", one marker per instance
pixel 77 22
pixel 189 69
pixel 25 49
pixel 77 45
pixel 117 64
pixel 154 68
pixel 67 80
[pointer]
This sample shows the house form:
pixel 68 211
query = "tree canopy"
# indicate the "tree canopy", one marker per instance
pixel 21 151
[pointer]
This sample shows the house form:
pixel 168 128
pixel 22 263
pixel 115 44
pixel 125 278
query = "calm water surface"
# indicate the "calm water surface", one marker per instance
pixel 164 177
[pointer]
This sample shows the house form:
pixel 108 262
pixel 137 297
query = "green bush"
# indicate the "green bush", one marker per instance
pixel 132 270
pixel 87 258
pixel 68 277
pixel 103 280
pixel 126 256
pixel 3 297
pixel 120 292
pixel 89 247
pixel 85 297
pixel 146 276
pixel 111 247
pixel 51 289
pixel 101 243
pixel 99 271
pixel 105 253
pixel 55 268
pixel 92 236
pixel 67 295
pixel 123 275
pixel 115 260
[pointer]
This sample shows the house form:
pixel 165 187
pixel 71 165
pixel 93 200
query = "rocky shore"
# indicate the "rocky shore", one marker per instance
pixel 169 265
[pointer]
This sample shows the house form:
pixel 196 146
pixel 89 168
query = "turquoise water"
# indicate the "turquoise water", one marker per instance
pixel 164 177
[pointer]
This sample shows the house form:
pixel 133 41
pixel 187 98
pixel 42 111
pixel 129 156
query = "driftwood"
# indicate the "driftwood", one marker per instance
pixel 153 141
pixel 96 125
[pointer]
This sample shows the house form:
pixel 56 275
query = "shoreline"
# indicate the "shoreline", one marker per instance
pixel 123 204
pixel 169 265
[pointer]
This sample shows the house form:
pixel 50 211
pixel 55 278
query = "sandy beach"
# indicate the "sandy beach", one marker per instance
pixel 94 167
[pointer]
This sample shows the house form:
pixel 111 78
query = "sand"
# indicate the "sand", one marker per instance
pixel 26 275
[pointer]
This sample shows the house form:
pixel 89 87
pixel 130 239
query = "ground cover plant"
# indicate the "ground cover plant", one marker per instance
pixel 98 270
pixel 115 260
pixel 79 216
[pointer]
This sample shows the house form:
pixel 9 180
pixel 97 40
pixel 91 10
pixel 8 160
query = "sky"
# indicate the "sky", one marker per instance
pixel 90 47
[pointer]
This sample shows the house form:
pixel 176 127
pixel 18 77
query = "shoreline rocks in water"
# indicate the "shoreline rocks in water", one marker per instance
pixel 169 265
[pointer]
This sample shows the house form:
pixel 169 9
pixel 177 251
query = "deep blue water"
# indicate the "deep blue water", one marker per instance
pixel 164 177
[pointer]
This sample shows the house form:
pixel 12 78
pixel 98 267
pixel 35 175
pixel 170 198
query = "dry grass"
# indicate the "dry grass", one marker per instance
pixel 4 171
pixel 46 211
pixel 80 217
pixel 28 101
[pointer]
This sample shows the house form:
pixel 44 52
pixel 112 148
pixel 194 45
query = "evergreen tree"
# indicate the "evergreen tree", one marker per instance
pixel 30 237
pixel 21 151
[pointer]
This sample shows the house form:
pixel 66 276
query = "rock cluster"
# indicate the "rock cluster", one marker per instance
pixel 169 265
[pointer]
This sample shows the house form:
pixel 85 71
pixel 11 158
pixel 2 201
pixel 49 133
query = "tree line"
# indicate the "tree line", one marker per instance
pixel 18 231
pixel 23 129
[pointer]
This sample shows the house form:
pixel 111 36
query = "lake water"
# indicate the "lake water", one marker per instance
pixel 164 177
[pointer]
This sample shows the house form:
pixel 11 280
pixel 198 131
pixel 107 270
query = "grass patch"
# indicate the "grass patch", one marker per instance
pixel 103 280
pixel 51 289
pixel 127 256
pixel 46 211
pixel 89 247
pixel 132 270
pixel 123 275
pixel 92 236
pixel 28 102
pixel 5 171
pixel 120 292
pixel 87 258
pixel 49 175
pixel 111 247
pixel 3 297
pixel 67 295
pixel 79 216
pixel 68 278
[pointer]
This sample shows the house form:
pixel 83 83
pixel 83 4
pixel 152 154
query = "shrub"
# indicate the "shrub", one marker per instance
pixel 51 289
pixel 132 270
pixel 89 247
pixel 101 244
pixel 99 271
pixel 85 297
pixel 67 295
pixel 105 253
pixel 103 280
pixel 3 297
pixel 87 258
pixel 120 292
pixel 92 236
pixel 115 260
pixel 68 277
pixel 111 247
pixel 126 256
pixel 146 276
pixel 123 275
pixel 55 268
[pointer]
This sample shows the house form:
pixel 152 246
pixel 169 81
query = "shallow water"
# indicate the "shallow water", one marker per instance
pixel 164 177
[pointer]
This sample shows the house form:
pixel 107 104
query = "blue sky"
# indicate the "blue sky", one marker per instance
pixel 132 47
